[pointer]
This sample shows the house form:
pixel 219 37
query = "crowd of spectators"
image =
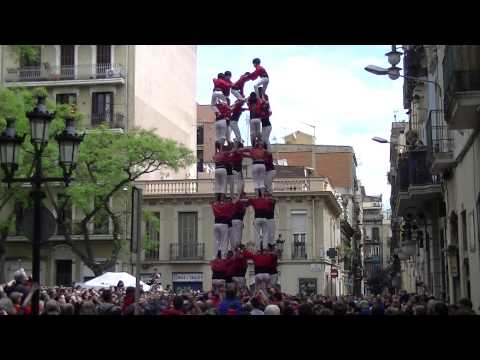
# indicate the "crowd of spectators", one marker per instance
pixel 15 299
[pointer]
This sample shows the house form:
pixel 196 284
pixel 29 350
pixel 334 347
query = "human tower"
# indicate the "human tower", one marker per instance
pixel 231 256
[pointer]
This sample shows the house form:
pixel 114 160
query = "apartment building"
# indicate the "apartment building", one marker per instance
pixel 436 187
pixel 122 86
pixel 307 219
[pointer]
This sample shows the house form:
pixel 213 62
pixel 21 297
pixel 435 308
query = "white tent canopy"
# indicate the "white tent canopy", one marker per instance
pixel 112 278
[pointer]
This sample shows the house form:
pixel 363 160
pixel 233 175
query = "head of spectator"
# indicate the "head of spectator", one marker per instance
pixel 272 310
pixel 52 308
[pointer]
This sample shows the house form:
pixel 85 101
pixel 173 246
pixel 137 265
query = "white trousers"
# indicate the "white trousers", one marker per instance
pixel 218 284
pixel 220 235
pixel 261 82
pixel 262 281
pixel 220 181
pixel 255 129
pixel 258 175
pixel 261 232
pixel 269 176
pixel 236 130
pixel 271 231
pixel 266 130
pixel 240 282
pixel 273 279
pixel 218 97
pixel 237 232
pixel 238 181
pixel 229 240
pixel 221 130
pixel 237 94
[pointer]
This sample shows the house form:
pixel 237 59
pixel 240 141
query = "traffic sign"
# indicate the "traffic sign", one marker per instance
pixel 333 272
pixel 49 224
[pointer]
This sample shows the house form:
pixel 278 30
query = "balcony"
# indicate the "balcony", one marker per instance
pixel 113 120
pixel 187 252
pixel 206 186
pixel 461 79
pixel 439 143
pixel 416 185
pixel 299 251
pixel 48 75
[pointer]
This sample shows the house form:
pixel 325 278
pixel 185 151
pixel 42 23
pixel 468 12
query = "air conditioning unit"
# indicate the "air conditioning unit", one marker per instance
pixel 112 73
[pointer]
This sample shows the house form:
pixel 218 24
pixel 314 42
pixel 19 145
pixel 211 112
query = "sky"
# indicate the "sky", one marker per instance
pixel 325 86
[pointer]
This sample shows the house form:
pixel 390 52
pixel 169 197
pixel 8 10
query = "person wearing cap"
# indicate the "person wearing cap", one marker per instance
pixel 261 85
pixel 237 86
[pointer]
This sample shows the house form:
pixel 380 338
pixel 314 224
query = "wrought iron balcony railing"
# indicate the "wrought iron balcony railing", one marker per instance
pixel 299 251
pixel 112 119
pixel 187 251
pixel 47 72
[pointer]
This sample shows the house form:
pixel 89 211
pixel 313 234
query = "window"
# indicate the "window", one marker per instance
pixel 200 160
pixel 101 221
pixel 102 107
pixel 375 234
pixel 200 134
pixel 187 235
pixel 67 99
pixel 64 213
pixel 63 272
pixel 67 61
pixel 104 59
pixel 152 238
pixel 299 234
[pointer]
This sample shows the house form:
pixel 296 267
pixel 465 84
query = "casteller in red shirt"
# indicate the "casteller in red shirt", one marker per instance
pixel 222 84
pixel 259 71
pixel 240 83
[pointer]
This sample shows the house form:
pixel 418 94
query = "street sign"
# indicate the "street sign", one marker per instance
pixel 334 272
pixel 48 224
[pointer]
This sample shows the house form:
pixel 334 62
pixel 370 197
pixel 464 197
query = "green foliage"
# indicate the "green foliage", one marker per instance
pixel 28 52
pixel 154 224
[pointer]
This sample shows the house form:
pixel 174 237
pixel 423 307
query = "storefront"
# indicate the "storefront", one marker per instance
pixel 187 282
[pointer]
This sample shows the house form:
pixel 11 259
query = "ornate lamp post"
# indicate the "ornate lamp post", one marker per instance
pixel 10 143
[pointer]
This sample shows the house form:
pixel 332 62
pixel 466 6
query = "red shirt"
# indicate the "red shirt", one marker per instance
pixel 236 158
pixel 222 158
pixel 226 92
pixel 240 263
pixel 261 206
pixel 259 259
pixel 257 109
pixel 273 259
pixel 237 107
pixel 229 267
pixel 268 159
pixel 239 210
pixel 218 265
pixel 238 85
pixel 172 311
pixel 225 111
pixel 259 71
pixel 257 153
pixel 223 211
pixel 222 84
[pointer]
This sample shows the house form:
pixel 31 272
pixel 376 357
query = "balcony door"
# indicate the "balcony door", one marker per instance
pixel 102 108
pixel 104 59
pixel 67 62
pixel 299 233
pixel 63 272
pixel 187 235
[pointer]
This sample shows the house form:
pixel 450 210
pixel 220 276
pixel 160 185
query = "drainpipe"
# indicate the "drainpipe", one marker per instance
pixel 314 238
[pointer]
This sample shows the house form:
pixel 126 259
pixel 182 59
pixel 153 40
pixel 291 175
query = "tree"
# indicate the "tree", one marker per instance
pixel 107 163
pixel 378 281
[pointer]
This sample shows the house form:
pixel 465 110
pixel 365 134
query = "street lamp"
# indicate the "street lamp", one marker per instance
pixel 394 56
pixel 68 142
